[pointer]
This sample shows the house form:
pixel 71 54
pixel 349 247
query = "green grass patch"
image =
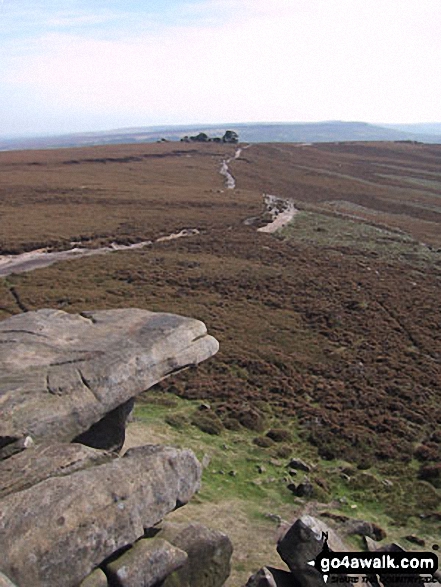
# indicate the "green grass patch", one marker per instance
pixel 342 233
pixel 237 469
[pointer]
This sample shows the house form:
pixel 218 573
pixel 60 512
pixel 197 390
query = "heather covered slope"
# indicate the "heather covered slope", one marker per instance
pixel 389 184
pixel 334 322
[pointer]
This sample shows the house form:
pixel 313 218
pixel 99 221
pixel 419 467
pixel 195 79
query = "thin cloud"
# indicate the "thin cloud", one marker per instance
pixel 220 60
pixel 75 20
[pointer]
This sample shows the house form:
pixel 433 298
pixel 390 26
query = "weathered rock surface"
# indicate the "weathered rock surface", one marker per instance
pixel 96 579
pixel 309 536
pixel 263 578
pixel 61 373
pixel 209 553
pixel 5 582
pixel 363 528
pixel 300 545
pixel 319 527
pixel 36 464
pixel 72 514
pixel 299 465
pixel 269 577
pixel 146 564
pixel 56 532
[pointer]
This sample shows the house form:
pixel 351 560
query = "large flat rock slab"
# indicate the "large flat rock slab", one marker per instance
pixel 58 531
pixel 27 468
pixel 60 373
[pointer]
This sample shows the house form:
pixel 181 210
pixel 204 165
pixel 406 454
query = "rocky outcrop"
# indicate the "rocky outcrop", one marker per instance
pixel 73 515
pixel 63 373
pixel 298 547
pixel 36 464
pixel 92 514
pixel 301 543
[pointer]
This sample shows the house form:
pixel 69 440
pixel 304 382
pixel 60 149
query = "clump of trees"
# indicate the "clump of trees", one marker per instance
pixel 230 136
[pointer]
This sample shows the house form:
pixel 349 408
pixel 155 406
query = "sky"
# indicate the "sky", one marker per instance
pixel 88 65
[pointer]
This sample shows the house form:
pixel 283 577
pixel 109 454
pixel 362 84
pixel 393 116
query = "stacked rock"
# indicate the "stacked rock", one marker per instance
pixel 72 510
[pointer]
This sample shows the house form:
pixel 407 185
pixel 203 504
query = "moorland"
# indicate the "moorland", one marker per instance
pixel 329 329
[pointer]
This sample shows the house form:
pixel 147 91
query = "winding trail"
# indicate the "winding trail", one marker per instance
pixel 43 258
pixel 230 182
pixel 282 212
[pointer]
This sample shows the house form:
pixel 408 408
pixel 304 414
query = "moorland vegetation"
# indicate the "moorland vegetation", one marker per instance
pixel 328 330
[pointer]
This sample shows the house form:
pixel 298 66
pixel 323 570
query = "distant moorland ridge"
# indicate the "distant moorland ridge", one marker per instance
pixel 305 132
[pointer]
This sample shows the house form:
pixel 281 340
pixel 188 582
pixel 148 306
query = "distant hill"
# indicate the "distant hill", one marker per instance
pixel 315 132
pixel 426 128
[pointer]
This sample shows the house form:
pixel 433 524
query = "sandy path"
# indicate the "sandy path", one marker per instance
pixel 42 258
pixel 230 182
pixel 280 219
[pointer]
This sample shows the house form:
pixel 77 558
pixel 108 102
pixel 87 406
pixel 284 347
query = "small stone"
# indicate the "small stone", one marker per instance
pixel 15 447
pixel 263 578
pixel 205 461
pixel 415 540
pixel 274 518
pixel 204 407
pixel 363 528
pixel 261 469
pixel 232 473
pixel 299 465
pixel 305 489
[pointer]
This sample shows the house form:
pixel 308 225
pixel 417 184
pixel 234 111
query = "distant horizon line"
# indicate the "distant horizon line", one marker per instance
pixel 183 126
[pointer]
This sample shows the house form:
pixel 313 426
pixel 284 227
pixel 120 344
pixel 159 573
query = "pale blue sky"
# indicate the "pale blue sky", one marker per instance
pixel 77 65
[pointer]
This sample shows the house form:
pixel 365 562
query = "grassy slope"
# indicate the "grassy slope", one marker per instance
pixel 244 491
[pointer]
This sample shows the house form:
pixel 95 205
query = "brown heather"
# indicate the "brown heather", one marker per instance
pixel 334 323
